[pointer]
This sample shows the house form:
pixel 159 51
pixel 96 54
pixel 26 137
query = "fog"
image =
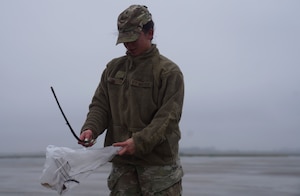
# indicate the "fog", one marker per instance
pixel 240 60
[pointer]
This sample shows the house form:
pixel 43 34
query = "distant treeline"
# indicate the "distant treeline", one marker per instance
pixel 215 152
pixel 185 152
pixel 22 155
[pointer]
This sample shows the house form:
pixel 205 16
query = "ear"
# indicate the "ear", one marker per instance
pixel 150 34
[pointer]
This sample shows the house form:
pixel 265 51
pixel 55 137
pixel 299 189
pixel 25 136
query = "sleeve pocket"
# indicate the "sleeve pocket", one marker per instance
pixel 141 84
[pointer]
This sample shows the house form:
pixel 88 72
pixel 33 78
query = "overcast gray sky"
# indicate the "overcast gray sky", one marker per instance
pixel 241 61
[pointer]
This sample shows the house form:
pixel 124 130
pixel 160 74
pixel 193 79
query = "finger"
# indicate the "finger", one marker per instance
pixel 122 151
pixel 121 144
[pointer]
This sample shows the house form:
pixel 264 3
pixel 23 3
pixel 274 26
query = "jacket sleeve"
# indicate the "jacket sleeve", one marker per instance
pixel 166 120
pixel 99 110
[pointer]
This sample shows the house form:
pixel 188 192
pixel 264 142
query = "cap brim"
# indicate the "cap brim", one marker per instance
pixel 130 36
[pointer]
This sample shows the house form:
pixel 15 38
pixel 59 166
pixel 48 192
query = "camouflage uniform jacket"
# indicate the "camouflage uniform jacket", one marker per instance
pixel 140 97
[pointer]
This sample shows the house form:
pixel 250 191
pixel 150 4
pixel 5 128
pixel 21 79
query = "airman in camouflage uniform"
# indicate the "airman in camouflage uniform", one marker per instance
pixel 139 104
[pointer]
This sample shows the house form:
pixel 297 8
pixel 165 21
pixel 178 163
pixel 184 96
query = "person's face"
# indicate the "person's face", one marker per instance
pixel 139 46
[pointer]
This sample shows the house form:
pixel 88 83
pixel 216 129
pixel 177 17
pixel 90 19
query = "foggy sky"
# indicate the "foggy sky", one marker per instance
pixel 240 60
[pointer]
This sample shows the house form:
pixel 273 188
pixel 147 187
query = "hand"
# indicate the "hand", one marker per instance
pixel 87 135
pixel 128 147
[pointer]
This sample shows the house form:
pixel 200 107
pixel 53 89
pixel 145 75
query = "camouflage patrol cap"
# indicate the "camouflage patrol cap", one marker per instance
pixel 131 22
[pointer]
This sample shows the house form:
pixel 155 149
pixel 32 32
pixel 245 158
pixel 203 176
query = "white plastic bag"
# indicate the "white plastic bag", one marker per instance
pixel 65 167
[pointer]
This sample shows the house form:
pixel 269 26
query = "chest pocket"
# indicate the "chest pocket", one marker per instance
pixel 116 81
pixel 141 84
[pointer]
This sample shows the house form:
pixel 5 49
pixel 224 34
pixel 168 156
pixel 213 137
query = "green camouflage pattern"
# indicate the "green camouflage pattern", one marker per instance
pixel 147 181
pixel 131 22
